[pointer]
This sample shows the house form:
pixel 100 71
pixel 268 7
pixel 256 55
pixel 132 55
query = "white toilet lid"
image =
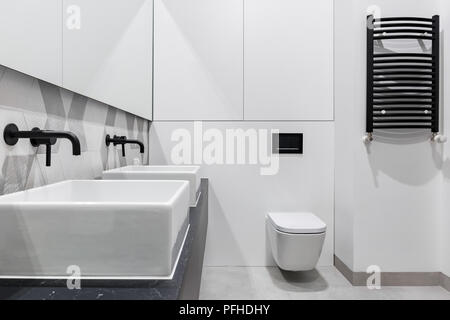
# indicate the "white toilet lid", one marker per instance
pixel 297 222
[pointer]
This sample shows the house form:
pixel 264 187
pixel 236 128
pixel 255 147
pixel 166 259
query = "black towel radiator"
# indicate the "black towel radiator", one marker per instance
pixel 403 88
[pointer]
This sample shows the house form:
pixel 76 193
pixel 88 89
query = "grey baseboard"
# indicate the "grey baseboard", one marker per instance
pixel 344 269
pixel 445 281
pixel 394 278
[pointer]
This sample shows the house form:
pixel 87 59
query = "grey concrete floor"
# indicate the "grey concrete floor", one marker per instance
pixel 323 283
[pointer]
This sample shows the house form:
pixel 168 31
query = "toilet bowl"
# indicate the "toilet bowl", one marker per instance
pixel 296 239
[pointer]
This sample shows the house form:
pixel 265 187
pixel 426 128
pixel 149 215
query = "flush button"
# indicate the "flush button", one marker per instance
pixel 287 143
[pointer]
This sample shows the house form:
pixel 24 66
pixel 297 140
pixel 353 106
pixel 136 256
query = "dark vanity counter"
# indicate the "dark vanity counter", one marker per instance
pixel 184 285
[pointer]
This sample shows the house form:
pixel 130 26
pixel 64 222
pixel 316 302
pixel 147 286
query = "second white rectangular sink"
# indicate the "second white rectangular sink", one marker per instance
pixel 169 172
pixel 109 229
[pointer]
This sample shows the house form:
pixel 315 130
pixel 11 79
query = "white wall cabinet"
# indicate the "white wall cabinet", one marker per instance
pixel 198 60
pixel 213 59
pixel 30 36
pixel 109 58
pixel 288 60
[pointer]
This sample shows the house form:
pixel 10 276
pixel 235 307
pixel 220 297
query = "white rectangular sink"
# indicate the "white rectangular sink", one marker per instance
pixel 109 229
pixel 189 173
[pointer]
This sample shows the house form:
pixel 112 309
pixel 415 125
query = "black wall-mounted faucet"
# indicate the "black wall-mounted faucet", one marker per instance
pixel 123 141
pixel 38 137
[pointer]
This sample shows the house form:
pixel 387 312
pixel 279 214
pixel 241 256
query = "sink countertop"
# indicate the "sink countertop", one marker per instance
pixel 24 289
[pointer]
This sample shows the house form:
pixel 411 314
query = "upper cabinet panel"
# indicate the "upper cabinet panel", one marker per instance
pixel 288 59
pixel 30 37
pixel 108 52
pixel 198 60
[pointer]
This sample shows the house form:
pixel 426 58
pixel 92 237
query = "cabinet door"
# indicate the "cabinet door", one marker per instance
pixel 288 59
pixel 198 60
pixel 30 36
pixel 108 56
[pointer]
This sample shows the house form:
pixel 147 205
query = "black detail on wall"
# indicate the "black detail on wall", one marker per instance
pixel 122 140
pixel 287 143
pixel 39 137
pixel 402 87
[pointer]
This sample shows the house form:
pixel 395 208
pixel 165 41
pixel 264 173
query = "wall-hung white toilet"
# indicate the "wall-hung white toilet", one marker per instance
pixel 296 239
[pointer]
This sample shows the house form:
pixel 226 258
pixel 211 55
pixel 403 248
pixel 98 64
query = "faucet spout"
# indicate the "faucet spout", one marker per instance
pixel 139 143
pixel 76 147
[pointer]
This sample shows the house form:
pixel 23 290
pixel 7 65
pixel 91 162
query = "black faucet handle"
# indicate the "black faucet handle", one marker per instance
pixel 36 142
pixel 48 153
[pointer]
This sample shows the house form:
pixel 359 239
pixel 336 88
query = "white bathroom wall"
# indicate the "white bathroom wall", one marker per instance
pixel 240 197
pixel 387 194
pixel 345 50
pixel 445 212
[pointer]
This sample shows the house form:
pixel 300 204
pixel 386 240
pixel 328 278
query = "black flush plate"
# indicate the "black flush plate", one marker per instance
pixel 287 143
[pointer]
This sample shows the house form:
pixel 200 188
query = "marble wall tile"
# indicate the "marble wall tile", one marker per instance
pixel 29 102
